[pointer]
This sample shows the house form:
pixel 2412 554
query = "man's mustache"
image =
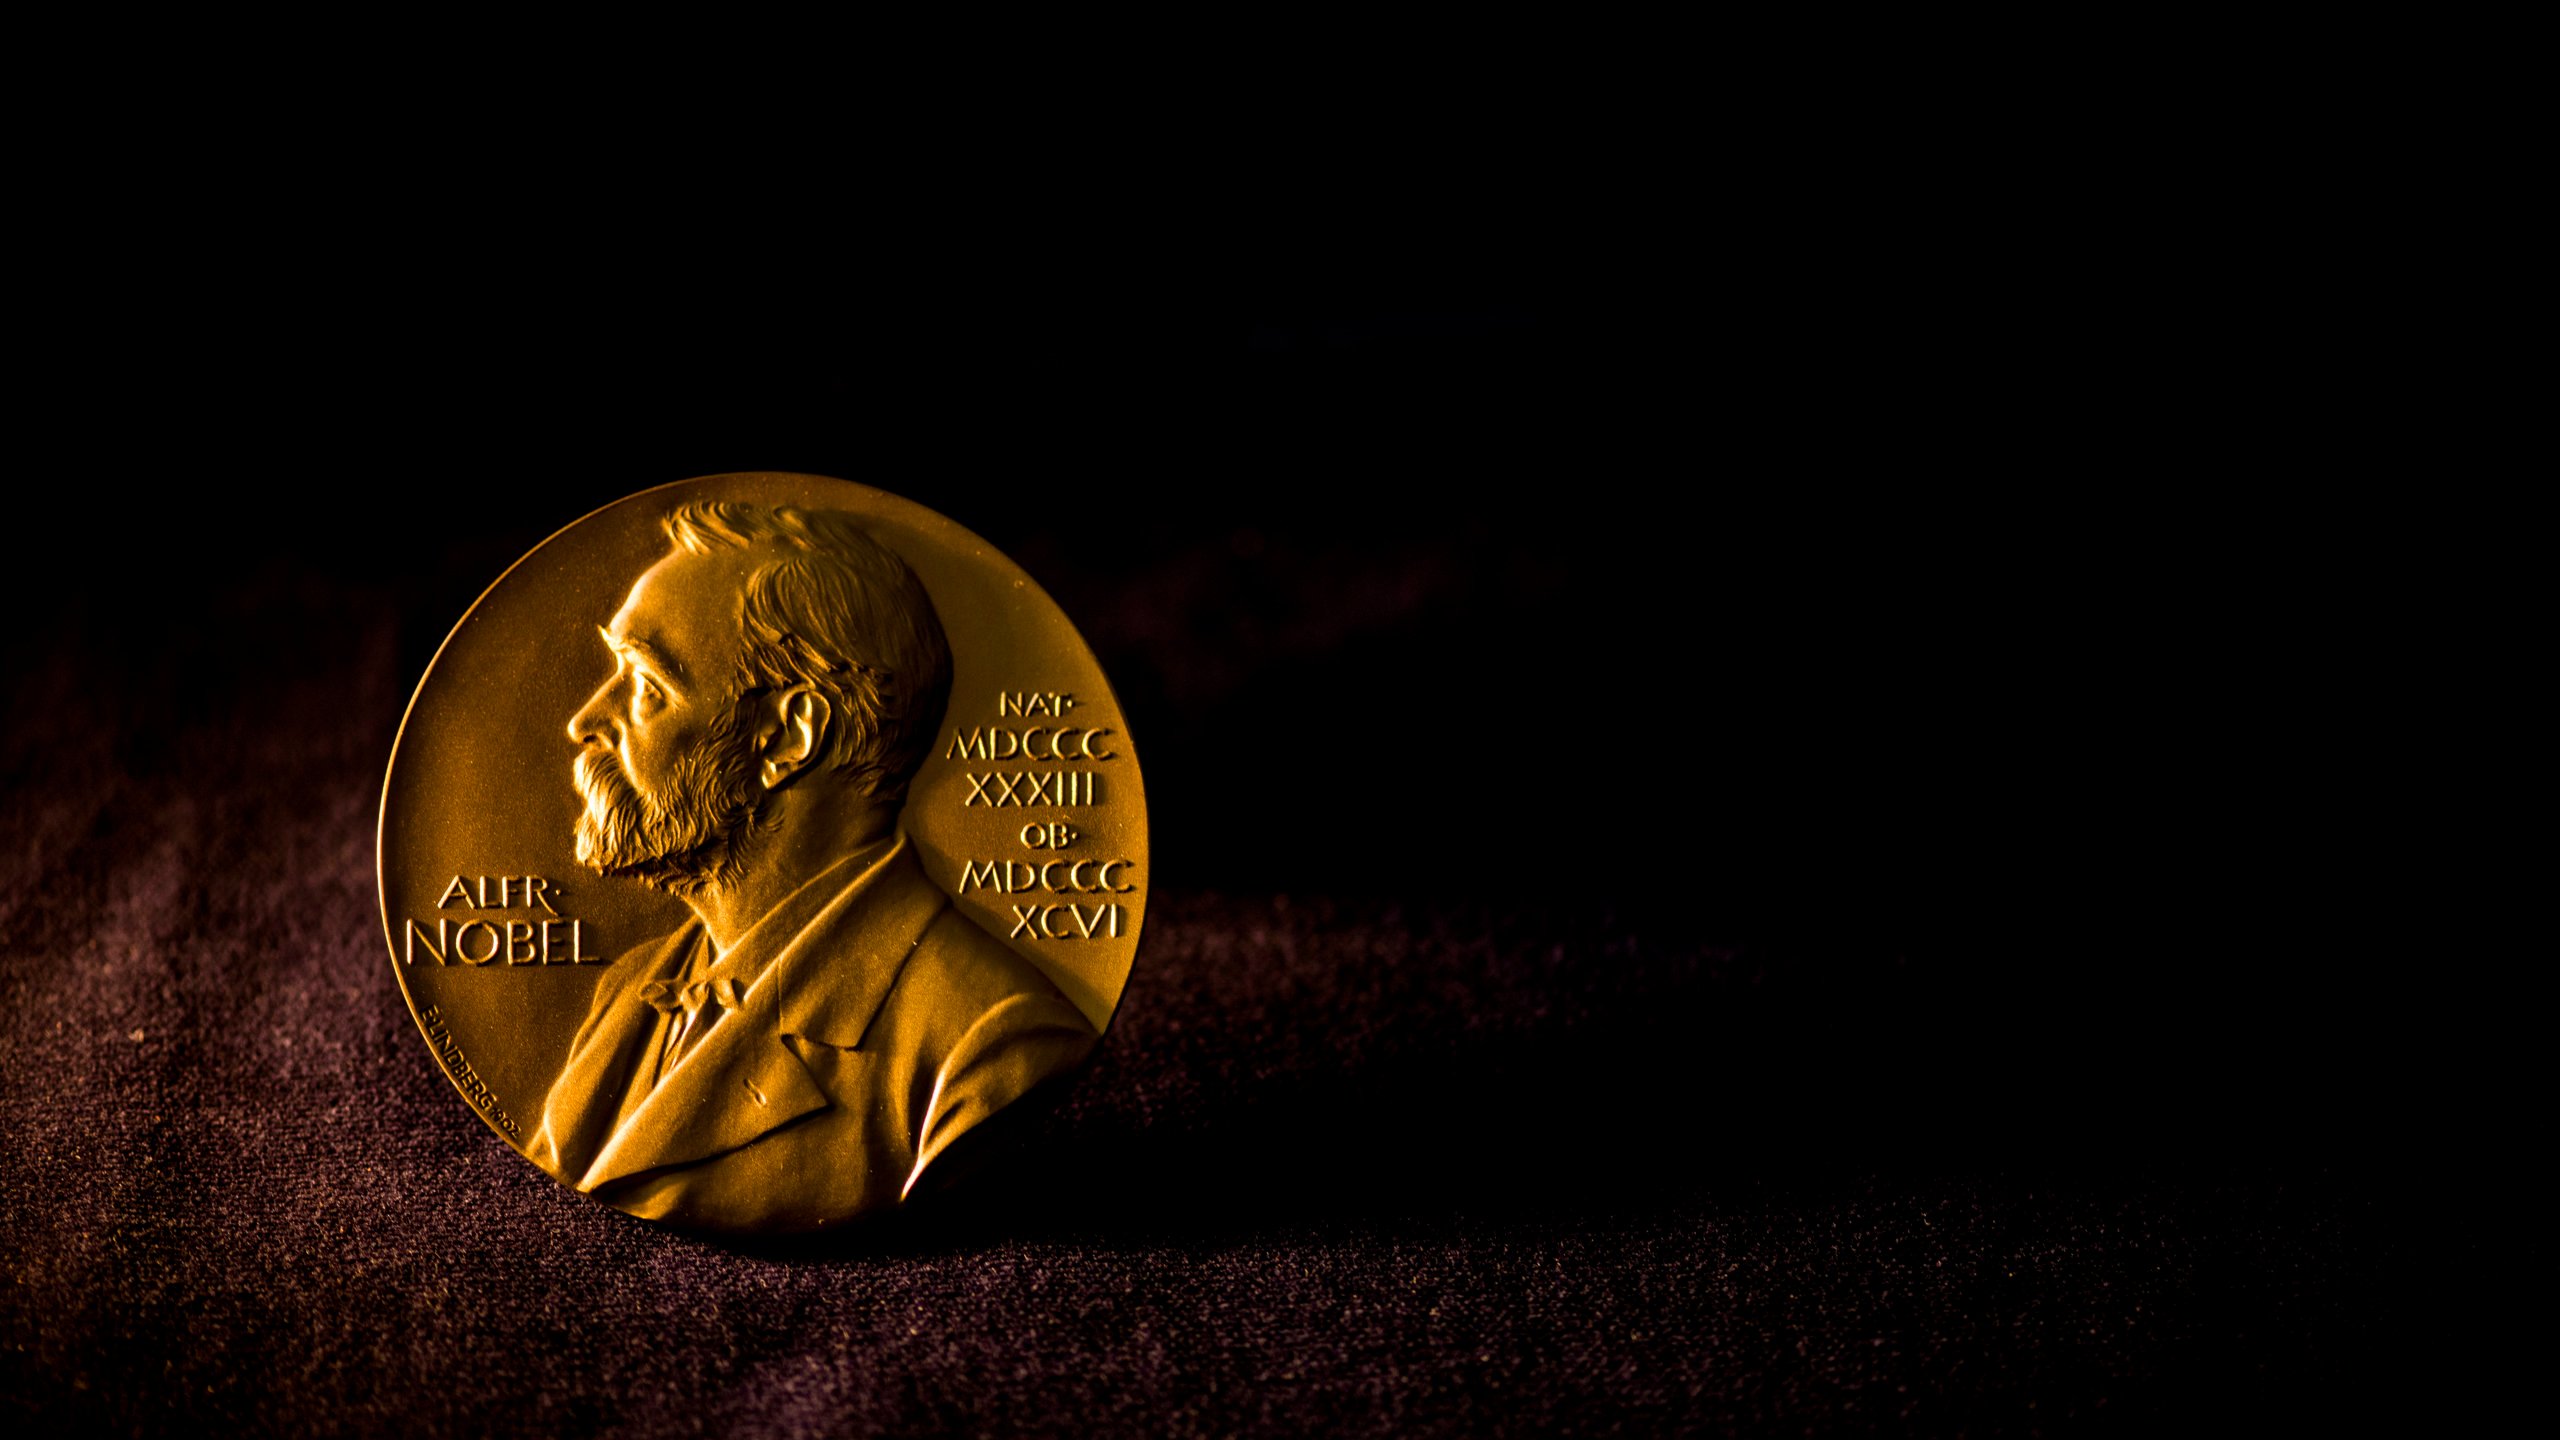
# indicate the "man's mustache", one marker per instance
pixel 612 829
pixel 695 830
pixel 600 779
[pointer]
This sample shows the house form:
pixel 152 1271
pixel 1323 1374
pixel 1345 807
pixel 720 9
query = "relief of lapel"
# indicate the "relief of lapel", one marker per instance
pixel 586 1099
pixel 743 1081
pixel 738 1083
pixel 846 962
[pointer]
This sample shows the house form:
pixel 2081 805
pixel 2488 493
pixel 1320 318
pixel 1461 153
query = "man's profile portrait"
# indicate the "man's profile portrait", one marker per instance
pixel 827 1023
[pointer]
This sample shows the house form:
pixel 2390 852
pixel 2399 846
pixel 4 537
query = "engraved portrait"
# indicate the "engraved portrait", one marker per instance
pixel 827 1022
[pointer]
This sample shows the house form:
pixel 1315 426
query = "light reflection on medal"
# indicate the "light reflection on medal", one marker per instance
pixel 752 843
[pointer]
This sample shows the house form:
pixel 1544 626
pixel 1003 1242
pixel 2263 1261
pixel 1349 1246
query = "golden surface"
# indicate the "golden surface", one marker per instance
pixel 789 1032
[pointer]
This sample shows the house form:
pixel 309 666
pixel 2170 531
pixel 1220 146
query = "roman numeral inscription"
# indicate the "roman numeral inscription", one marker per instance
pixel 1089 876
pixel 1032 787
pixel 1082 922
pixel 1030 742
pixel 1048 744
pixel 1082 890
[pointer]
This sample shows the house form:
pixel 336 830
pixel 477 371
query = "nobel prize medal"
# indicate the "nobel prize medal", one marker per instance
pixel 754 844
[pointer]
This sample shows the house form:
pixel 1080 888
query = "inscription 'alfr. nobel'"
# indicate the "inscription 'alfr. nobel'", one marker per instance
pixel 557 941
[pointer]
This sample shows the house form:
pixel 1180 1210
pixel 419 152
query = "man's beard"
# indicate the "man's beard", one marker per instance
pixel 695 835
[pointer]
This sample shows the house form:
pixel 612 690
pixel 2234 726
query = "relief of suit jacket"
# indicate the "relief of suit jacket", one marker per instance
pixel 876 1025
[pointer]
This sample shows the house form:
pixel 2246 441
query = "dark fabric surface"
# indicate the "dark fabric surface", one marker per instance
pixel 1729 860
pixel 1441 1164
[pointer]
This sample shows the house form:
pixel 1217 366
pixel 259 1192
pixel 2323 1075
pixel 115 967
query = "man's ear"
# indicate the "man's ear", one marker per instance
pixel 793 725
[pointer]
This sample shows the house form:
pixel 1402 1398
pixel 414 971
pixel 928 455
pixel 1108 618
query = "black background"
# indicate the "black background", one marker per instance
pixel 1959 677
pixel 1913 634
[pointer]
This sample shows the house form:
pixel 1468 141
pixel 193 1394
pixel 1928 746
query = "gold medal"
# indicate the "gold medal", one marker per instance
pixel 752 843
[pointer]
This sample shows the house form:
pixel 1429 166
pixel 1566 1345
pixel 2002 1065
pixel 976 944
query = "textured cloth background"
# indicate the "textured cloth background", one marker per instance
pixel 1788 844
pixel 1433 1165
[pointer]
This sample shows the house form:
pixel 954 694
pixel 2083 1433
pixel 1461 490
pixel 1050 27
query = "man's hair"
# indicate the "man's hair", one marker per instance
pixel 839 612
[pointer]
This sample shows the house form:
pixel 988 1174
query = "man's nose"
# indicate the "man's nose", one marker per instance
pixel 594 720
